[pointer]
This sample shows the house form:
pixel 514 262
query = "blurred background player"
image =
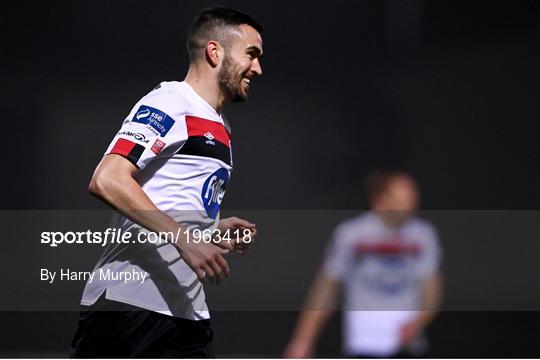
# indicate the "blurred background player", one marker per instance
pixel 387 263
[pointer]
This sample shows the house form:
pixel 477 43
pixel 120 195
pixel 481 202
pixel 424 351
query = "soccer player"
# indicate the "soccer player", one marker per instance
pixel 165 172
pixel 387 262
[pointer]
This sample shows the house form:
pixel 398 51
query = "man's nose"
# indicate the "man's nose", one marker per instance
pixel 256 67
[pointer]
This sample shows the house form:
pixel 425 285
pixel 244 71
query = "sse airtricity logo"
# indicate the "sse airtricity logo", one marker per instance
pixel 155 119
pixel 142 114
pixel 213 191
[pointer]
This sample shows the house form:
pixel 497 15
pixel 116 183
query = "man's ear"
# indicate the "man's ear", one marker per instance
pixel 213 53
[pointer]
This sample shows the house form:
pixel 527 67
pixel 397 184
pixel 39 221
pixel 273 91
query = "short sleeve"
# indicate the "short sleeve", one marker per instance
pixel 155 126
pixel 338 255
pixel 431 255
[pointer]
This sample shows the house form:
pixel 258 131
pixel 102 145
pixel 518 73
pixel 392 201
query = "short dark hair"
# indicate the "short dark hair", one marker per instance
pixel 378 181
pixel 211 24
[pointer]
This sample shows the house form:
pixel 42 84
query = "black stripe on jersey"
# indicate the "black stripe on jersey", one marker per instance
pixel 201 146
pixel 135 154
pixel 128 149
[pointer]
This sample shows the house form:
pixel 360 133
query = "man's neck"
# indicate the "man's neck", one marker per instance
pixel 392 218
pixel 207 87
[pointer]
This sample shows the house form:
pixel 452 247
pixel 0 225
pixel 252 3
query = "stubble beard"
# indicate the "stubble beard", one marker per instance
pixel 230 84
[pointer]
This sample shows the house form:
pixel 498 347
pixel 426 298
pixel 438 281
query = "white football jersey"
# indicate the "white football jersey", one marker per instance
pixel 381 270
pixel 183 152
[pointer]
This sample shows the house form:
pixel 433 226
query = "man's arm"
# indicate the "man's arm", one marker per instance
pixel 113 182
pixel 318 308
pixel 431 299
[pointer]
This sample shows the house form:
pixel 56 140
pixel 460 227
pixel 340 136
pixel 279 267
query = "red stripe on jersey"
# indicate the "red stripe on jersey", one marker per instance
pixel 212 130
pixel 122 147
pixel 387 249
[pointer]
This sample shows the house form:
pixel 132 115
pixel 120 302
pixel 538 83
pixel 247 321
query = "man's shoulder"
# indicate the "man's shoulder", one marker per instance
pixel 362 219
pixel 172 88
pixel 168 94
pixel 167 99
pixel 355 225
pixel 422 229
pixel 179 98
pixel 421 224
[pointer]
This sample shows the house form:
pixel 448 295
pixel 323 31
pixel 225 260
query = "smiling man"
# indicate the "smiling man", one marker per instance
pixel 165 172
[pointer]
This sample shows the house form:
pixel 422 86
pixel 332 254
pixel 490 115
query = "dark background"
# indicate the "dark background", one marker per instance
pixel 449 90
